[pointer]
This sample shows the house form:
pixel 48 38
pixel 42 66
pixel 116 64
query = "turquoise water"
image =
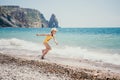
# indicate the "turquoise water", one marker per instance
pixel 84 37
pixel 99 44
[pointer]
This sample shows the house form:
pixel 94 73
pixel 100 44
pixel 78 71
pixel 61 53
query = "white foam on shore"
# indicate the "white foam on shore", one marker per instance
pixel 77 52
pixel 17 45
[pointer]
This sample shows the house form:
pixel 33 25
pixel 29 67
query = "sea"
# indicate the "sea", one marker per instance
pixel 95 44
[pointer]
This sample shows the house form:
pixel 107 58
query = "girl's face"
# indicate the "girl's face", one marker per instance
pixel 53 32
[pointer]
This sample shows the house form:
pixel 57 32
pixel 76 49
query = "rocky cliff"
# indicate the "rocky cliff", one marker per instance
pixel 14 16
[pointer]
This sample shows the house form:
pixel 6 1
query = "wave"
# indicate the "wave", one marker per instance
pixel 18 44
pixel 22 46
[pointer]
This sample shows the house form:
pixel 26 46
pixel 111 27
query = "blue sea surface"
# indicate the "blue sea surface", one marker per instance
pixel 83 37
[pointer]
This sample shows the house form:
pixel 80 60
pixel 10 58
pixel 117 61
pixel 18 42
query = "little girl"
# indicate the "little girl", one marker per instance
pixel 45 42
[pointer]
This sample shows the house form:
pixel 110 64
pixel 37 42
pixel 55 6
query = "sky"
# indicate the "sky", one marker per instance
pixel 75 13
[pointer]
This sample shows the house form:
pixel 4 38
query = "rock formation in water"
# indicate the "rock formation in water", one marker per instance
pixel 14 16
pixel 53 22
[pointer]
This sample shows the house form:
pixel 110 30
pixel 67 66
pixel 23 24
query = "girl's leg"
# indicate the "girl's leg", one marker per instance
pixel 45 51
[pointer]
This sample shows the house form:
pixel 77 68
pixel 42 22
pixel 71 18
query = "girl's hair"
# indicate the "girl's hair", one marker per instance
pixel 53 29
pixel 51 33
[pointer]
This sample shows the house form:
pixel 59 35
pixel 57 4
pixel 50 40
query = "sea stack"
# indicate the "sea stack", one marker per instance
pixel 53 22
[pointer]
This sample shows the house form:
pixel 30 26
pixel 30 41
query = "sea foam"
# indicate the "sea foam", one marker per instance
pixel 21 46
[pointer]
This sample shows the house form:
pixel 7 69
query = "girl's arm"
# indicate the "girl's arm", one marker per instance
pixel 42 34
pixel 55 40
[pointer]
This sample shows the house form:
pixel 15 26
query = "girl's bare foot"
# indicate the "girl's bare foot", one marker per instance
pixel 42 57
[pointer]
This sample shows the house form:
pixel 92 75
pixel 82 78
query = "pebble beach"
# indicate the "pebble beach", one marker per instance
pixel 17 67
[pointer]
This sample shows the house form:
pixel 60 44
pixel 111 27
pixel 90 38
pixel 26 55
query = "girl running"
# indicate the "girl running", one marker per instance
pixel 45 42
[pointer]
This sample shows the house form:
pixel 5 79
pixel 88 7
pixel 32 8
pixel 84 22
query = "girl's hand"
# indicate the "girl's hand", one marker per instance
pixel 37 34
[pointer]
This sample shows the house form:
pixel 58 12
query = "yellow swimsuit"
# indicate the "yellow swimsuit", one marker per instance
pixel 48 38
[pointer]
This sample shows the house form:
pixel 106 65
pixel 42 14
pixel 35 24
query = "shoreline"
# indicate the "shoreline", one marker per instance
pixel 61 70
